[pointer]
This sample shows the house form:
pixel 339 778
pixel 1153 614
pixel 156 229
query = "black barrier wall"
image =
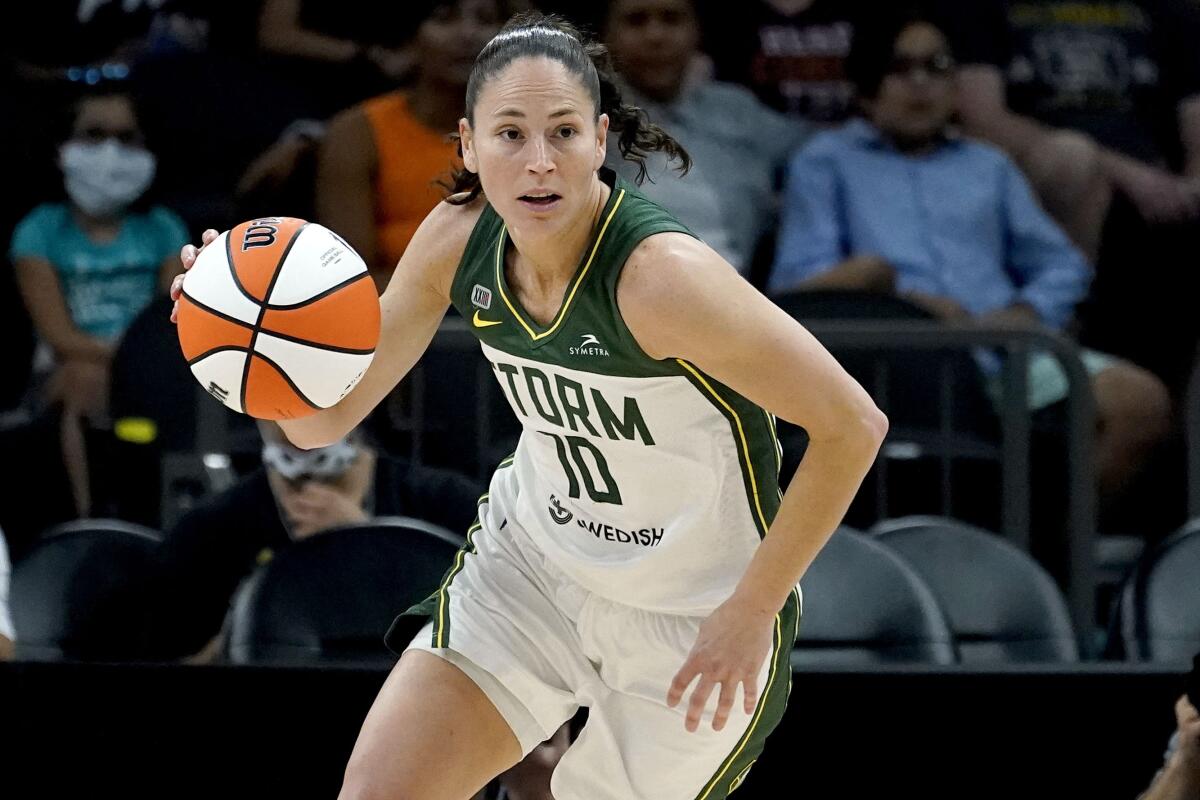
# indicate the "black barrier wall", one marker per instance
pixel 241 732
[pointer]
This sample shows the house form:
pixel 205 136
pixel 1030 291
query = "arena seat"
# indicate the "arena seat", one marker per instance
pixel 1159 605
pixel 329 599
pixel 78 593
pixel 863 604
pixel 1002 606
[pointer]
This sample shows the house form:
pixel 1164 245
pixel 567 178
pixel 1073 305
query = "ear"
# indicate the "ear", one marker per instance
pixel 601 140
pixel 468 146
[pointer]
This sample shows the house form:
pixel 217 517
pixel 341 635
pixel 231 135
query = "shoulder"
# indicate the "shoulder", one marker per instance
pixel 351 132
pixel 983 152
pixel 447 227
pixel 731 95
pixel 32 234
pixel 438 245
pixel 672 285
pixel 388 103
pixel 985 159
pixel 44 215
pixel 665 267
pixel 831 143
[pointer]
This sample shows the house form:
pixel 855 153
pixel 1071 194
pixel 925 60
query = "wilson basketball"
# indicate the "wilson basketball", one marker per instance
pixel 279 318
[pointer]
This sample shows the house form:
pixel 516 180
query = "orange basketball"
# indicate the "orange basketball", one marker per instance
pixel 279 318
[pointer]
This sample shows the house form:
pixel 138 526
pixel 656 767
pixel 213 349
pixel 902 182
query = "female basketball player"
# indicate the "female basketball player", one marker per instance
pixel 618 559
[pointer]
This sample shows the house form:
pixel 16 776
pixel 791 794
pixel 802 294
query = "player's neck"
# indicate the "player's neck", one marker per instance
pixel 548 261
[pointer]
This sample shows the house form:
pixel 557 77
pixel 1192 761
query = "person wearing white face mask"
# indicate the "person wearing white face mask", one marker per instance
pixel 88 265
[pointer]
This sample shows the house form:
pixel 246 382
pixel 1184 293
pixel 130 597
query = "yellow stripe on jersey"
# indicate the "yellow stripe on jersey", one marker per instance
pixel 562 312
pixel 741 435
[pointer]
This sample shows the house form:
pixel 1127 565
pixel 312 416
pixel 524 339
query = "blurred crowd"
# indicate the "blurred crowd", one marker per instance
pixel 1007 164
pixel 1014 165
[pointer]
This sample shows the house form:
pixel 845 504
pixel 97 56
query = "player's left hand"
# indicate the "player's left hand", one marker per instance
pixel 730 649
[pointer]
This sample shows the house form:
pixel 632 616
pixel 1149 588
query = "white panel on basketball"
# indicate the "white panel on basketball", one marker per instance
pixel 210 282
pixel 316 262
pixel 221 376
pixel 323 376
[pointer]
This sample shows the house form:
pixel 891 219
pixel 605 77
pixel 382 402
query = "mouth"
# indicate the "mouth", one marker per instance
pixel 540 201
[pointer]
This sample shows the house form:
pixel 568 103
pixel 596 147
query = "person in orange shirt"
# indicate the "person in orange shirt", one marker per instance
pixel 381 162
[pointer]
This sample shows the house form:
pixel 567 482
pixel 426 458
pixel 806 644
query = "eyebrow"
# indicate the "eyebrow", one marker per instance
pixel 513 112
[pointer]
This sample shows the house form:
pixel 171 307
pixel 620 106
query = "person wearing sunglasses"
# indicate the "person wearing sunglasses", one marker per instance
pixel 899 202
pixel 88 264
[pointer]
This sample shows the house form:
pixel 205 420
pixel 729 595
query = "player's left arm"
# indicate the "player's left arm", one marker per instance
pixel 681 300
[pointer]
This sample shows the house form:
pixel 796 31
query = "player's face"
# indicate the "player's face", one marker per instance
pixel 450 38
pixel 535 144
pixel 653 41
pixel 916 98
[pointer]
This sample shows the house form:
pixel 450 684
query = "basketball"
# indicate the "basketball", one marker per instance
pixel 278 318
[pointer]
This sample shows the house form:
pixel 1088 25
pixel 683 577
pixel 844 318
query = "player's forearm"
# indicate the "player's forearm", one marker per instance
pixel 813 507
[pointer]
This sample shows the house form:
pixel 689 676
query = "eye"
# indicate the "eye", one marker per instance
pixel 567 132
pixel 510 134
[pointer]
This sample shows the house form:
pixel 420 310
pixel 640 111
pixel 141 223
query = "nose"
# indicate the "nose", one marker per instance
pixel 540 161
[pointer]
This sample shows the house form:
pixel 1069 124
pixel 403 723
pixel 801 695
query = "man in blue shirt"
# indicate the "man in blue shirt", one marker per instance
pixel 896 202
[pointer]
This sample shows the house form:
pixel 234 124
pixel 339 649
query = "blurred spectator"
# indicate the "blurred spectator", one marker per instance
pixel 381 161
pixel 791 53
pixel 29 163
pixel 87 266
pixel 1179 778
pixel 898 203
pixel 737 144
pixel 343 50
pixel 7 636
pixel 296 494
pixel 1125 74
pixel 1099 103
pixel 47 37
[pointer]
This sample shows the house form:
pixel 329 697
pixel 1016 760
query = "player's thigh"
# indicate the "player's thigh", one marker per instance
pixel 431 734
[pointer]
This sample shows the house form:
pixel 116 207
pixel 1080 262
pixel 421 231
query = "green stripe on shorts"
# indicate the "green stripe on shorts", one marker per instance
pixel 767 714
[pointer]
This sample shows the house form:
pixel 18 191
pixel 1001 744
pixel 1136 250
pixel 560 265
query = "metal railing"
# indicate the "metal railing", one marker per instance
pixel 842 337
pixel 1015 426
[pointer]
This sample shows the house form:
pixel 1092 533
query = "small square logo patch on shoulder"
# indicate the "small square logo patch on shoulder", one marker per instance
pixel 481 297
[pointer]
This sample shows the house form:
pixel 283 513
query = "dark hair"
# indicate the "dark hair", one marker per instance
pixel 533 34
pixel 874 47
pixel 102 91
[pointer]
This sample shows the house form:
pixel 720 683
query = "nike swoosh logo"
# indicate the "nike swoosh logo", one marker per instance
pixel 485 323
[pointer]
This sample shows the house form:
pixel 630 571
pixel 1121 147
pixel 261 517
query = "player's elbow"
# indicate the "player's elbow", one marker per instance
pixel 864 424
pixel 875 425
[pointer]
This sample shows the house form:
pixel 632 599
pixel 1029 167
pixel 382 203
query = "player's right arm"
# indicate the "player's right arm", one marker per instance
pixel 411 309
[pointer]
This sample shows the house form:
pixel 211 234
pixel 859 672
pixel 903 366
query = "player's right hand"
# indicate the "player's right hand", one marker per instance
pixel 188 256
